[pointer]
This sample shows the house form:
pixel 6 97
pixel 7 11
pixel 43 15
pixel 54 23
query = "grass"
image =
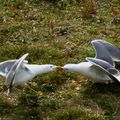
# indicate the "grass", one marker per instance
pixel 58 32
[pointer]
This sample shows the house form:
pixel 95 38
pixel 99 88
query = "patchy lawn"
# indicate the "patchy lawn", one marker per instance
pixel 58 32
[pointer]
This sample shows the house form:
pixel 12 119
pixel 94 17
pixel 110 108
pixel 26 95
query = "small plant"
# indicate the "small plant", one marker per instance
pixel 74 114
pixel 89 9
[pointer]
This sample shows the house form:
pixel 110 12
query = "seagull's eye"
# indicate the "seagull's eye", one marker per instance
pixel 51 66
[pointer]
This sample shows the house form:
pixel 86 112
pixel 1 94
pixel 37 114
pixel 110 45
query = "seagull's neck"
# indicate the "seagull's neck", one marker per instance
pixel 37 69
pixel 81 67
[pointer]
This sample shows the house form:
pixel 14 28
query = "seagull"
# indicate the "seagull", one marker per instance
pixel 19 72
pixel 100 69
pixel 113 50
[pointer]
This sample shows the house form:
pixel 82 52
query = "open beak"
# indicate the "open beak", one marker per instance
pixel 59 68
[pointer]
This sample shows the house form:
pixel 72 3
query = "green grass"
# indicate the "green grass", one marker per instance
pixel 58 32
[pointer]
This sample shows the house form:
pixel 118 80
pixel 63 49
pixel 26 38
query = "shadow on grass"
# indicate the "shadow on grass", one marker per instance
pixel 106 96
pixel 104 88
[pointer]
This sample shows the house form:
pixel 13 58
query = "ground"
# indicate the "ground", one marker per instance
pixel 58 32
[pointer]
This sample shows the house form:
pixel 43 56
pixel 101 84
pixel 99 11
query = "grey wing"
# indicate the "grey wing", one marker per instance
pixel 11 74
pixel 102 53
pixel 6 66
pixel 113 50
pixel 110 71
pixel 100 62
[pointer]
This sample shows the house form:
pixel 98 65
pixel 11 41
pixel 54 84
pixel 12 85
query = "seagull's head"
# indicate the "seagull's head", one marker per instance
pixel 49 68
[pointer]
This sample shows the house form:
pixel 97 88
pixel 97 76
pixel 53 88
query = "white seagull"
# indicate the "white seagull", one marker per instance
pixel 18 72
pixel 101 68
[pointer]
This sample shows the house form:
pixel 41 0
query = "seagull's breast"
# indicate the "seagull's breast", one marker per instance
pixel 23 76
